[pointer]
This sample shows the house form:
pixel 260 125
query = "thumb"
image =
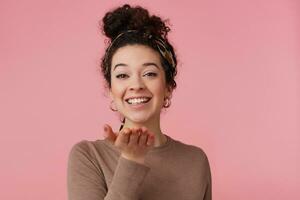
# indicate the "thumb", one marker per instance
pixel 109 134
pixel 150 141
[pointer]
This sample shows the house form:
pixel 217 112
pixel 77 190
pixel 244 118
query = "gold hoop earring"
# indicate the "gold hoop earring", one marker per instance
pixel 167 102
pixel 111 107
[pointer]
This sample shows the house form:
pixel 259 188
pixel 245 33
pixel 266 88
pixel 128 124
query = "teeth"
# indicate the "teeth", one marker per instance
pixel 137 100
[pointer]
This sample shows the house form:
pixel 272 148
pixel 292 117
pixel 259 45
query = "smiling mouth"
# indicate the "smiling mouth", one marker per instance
pixel 138 101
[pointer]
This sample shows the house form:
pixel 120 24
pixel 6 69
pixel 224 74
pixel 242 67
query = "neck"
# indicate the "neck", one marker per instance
pixel 153 127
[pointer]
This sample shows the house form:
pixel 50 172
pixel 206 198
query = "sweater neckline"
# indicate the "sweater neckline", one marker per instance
pixel 163 146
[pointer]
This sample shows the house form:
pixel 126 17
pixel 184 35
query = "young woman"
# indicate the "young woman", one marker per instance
pixel 139 162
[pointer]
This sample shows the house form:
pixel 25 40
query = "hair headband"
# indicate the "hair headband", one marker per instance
pixel 160 44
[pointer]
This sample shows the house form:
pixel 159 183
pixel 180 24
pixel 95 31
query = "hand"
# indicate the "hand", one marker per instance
pixel 134 143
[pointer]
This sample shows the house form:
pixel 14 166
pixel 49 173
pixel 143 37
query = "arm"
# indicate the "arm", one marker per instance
pixel 208 191
pixel 86 181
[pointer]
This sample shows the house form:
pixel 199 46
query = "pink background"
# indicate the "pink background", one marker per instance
pixel 238 94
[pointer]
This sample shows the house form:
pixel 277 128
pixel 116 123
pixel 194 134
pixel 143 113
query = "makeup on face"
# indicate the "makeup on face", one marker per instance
pixel 138 82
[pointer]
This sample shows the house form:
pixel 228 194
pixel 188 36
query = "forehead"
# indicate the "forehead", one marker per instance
pixel 135 55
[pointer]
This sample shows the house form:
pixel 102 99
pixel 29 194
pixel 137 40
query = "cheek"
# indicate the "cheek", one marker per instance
pixel 158 88
pixel 117 90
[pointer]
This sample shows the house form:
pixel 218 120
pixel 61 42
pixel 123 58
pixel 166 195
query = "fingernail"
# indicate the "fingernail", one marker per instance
pixel 144 129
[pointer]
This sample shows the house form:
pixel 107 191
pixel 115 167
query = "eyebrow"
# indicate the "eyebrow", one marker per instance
pixel 144 65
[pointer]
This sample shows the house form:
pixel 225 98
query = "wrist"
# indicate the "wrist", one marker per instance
pixel 138 160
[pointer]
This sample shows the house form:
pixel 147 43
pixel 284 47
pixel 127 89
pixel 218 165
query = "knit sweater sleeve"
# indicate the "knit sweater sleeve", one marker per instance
pixel 208 191
pixel 85 180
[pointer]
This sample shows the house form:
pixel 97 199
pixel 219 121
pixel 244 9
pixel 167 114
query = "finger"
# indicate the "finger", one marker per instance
pixel 124 135
pixel 133 137
pixel 150 136
pixel 109 134
pixel 150 141
pixel 143 138
pixel 144 129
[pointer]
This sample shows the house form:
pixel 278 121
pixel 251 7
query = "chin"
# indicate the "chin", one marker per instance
pixel 140 118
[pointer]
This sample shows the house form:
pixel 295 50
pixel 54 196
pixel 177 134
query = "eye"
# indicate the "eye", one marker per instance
pixel 151 74
pixel 121 76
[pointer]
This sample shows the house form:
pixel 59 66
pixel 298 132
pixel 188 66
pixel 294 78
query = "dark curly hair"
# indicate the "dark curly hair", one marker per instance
pixel 126 18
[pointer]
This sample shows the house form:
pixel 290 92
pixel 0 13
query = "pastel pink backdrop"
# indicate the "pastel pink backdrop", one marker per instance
pixel 238 94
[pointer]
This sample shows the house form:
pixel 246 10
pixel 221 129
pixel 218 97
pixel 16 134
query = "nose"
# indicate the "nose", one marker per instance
pixel 136 84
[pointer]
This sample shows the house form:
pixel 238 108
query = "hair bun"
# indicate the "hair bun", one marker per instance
pixel 133 18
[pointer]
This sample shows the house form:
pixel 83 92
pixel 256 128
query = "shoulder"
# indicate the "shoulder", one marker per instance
pixel 93 149
pixel 79 146
pixel 82 161
pixel 84 148
pixel 193 157
pixel 195 153
pixel 80 149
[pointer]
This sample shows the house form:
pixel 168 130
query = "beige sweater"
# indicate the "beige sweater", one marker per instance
pixel 173 171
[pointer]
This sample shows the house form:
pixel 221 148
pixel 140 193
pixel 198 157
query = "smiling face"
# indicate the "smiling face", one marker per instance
pixel 136 71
